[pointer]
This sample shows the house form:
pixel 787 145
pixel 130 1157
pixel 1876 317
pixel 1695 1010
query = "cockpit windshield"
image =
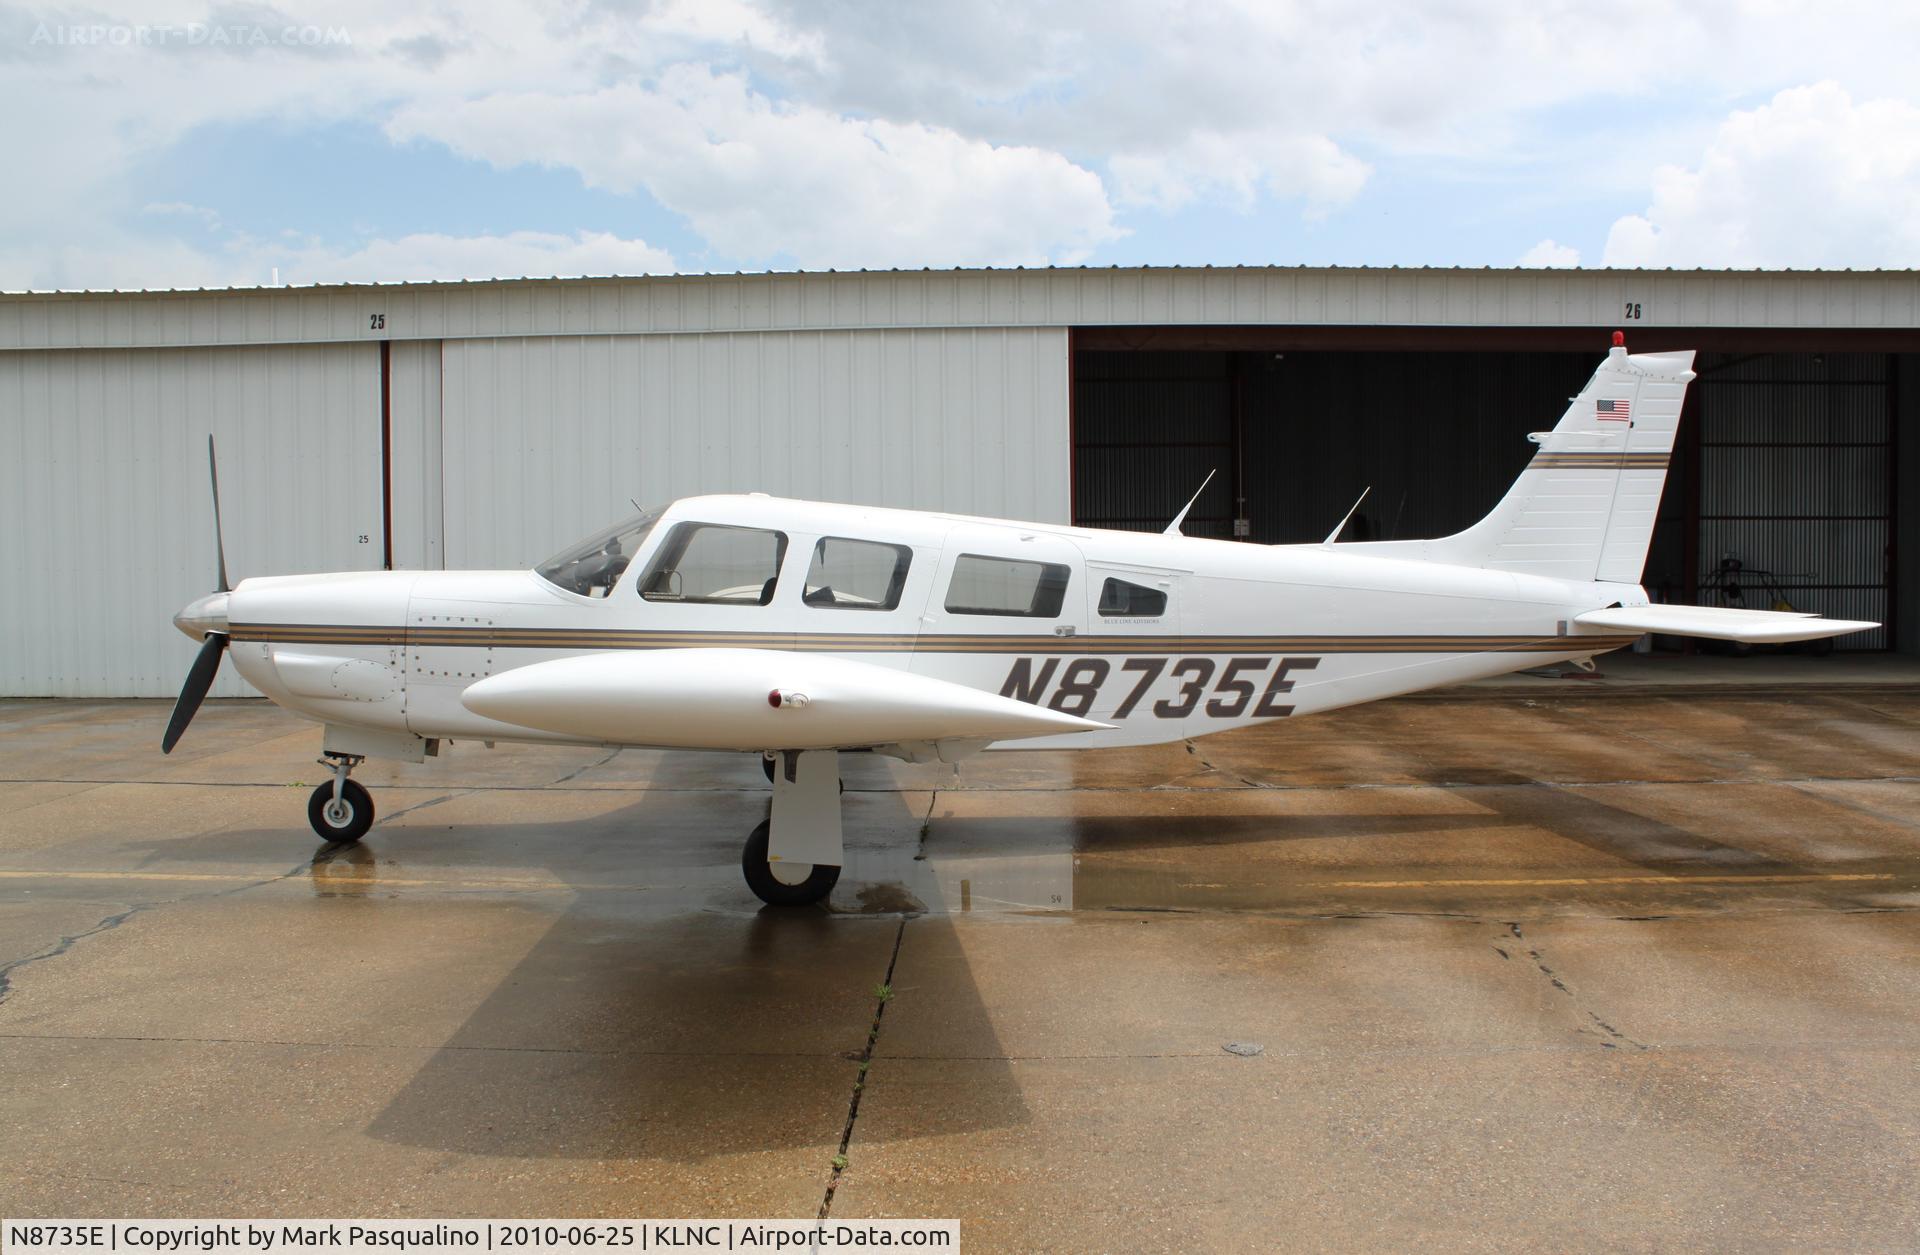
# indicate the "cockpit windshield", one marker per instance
pixel 592 567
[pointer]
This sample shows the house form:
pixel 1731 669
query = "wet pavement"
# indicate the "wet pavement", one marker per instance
pixel 1553 965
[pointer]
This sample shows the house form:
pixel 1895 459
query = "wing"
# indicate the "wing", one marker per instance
pixel 753 699
pixel 1720 623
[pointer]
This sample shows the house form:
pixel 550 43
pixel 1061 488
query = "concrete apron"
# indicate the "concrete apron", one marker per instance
pixel 1554 968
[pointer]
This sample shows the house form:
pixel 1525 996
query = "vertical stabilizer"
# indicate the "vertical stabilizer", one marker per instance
pixel 1584 507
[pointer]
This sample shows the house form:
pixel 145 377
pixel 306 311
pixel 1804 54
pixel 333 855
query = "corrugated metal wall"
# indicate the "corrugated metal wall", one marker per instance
pixel 418 538
pixel 931 299
pixel 1797 479
pixel 104 502
pixel 502 451
pixel 546 439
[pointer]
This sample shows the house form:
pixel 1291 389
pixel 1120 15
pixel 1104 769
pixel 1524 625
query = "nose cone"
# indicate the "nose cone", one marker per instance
pixel 207 614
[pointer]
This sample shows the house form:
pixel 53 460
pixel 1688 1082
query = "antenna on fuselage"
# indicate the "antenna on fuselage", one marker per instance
pixel 1347 517
pixel 1173 528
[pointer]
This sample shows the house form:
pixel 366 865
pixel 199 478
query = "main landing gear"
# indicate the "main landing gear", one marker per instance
pixel 783 884
pixel 341 811
pixel 793 859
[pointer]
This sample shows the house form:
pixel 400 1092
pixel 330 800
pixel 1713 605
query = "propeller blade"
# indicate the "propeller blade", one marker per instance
pixel 205 665
pixel 219 542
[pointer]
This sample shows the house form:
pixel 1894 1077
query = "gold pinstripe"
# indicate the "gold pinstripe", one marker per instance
pixel 1599 461
pixel 931 643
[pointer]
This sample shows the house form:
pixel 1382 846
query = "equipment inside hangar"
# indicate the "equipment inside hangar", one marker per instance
pixel 1782 489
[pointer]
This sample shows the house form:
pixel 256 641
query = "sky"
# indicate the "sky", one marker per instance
pixel 168 144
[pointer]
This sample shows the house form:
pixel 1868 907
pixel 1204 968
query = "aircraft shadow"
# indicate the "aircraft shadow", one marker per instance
pixel 680 1024
pixel 1642 840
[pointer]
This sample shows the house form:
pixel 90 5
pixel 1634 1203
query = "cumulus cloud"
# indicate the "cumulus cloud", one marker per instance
pixel 124 261
pixel 760 179
pixel 1308 168
pixel 1811 179
pixel 518 254
pixel 841 133
pixel 1236 99
pixel 1550 253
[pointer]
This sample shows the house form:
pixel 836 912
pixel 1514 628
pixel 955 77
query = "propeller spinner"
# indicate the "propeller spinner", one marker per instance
pixel 205 620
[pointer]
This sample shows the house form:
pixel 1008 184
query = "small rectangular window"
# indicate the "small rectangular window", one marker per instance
pixel 1119 598
pixel 1007 586
pixel 856 574
pixel 715 564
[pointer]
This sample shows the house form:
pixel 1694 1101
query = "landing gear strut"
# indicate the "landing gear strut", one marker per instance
pixel 341 810
pixel 793 859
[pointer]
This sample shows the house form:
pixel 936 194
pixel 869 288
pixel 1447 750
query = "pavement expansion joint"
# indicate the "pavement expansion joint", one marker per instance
pixel 1194 749
pixel 882 996
pixel 66 943
pixel 1613 1038
pixel 420 806
pixel 586 767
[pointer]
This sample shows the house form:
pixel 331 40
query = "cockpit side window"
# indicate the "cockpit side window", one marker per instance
pixel 592 567
pixel 1121 598
pixel 1007 586
pixel 716 564
pixel 851 574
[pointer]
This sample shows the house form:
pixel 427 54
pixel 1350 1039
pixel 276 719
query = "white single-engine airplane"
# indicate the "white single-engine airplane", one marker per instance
pixel 798 630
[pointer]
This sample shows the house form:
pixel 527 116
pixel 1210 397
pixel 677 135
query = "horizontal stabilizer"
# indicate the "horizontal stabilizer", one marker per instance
pixel 1720 623
pixel 752 699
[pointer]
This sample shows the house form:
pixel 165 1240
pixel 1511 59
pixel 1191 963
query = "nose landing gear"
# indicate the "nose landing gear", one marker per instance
pixel 341 811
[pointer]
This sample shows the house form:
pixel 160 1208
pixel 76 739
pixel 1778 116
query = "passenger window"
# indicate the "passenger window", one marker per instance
pixel 718 565
pixel 1118 598
pixel 1006 586
pixel 856 574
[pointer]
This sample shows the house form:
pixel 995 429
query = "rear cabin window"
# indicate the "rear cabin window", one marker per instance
pixel 1119 598
pixel 856 574
pixel 713 564
pixel 1007 586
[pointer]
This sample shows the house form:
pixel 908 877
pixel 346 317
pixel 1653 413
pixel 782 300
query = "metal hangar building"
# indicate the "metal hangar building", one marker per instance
pixel 487 424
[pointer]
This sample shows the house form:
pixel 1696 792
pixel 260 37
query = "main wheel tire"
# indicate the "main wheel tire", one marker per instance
pixel 776 892
pixel 342 822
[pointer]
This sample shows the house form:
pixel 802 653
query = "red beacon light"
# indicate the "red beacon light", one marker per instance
pixel 1619 339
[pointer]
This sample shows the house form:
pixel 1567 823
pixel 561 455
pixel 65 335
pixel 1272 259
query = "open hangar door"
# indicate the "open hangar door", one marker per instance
pixel 1797 483
pixel 1787 459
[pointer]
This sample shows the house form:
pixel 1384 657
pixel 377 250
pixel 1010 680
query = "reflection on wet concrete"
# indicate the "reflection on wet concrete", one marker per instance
pixel 1486 946
pixel 344 870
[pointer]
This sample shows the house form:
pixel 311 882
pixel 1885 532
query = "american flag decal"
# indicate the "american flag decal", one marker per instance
pixel 1610 411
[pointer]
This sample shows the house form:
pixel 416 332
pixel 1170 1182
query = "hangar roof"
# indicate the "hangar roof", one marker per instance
pixel 1114 297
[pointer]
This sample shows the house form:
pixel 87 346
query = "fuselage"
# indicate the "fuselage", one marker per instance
pixel 1161 637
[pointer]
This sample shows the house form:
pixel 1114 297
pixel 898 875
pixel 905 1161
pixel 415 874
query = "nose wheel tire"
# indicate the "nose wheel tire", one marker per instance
pixel 345 819
pixel 784 884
